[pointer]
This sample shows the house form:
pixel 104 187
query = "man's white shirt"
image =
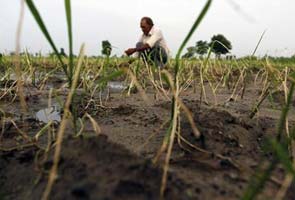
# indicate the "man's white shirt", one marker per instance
pixel 154 38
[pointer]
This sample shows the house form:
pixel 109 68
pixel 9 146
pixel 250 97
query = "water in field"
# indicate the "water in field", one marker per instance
pixel 49 114
pixel 116 86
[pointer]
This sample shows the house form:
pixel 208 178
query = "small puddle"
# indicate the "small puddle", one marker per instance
pixel 116 86
pixel 49 114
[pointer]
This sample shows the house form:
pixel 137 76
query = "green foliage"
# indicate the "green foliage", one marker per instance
pixel 258 43
pixel 261 176
pixel 111 76
pixel 281 152
pixel 202 47
pixel 106 48
pixel 45 32
pixel 62 52
pixel 220 45
pixel 70 37
pixel 285 111
pixel 69 71
pixel 190 33
pixel 258 181
pixel 190 52
pixel 1 62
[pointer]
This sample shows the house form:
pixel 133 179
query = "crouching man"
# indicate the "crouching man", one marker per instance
pixel 151 47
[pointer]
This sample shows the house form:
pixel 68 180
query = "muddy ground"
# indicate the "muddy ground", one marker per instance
pixel 117 164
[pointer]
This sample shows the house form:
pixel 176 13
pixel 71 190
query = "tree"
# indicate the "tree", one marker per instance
pixel 106 48
pixel 202 47
pixel 62 52
pixel 220 45
pixel 190 52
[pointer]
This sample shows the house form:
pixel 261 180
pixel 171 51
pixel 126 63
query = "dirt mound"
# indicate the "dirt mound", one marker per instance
pixel 228 135
pixel 90 168
pixel 231 151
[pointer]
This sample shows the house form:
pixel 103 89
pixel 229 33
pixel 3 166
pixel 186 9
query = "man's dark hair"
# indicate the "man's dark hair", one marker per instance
pixel 148 20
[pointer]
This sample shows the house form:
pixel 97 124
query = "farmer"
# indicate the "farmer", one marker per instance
pixel 151 46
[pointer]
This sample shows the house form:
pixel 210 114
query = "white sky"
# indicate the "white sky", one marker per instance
pixel 240 21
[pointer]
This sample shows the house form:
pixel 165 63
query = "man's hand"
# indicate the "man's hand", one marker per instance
pixel 130 51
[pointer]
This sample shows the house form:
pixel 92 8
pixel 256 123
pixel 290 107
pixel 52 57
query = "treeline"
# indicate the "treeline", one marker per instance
pixel 218 45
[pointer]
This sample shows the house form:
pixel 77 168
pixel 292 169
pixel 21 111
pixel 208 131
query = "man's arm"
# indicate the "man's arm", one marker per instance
pixel 131 51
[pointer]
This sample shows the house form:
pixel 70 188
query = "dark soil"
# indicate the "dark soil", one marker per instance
pixel 90 168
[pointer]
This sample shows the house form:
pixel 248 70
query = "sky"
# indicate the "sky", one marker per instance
pixel 240 21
